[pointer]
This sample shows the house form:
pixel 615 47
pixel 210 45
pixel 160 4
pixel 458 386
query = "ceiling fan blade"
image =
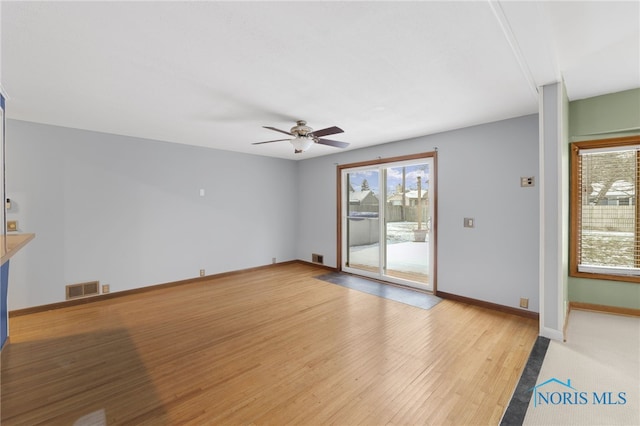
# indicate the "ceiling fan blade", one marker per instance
pixel 278 130
pixel 329 142
pixel 277 140
pixel 328 131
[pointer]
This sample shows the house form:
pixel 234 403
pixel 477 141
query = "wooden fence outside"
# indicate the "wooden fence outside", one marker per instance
pixel 609 218
pixel 394 213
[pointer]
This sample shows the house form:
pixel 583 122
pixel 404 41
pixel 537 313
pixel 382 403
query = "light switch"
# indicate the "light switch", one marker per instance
pixel 469 222
pixel 527 181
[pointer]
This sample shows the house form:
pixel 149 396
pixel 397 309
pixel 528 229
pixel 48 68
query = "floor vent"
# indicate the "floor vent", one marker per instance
pixel 75 291
pixel 317 258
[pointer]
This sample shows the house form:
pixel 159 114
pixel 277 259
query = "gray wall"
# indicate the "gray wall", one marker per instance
pixel 479 170
pixel 128 212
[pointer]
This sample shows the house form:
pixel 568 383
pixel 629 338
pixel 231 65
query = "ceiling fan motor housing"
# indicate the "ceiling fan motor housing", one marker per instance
pixel 301 129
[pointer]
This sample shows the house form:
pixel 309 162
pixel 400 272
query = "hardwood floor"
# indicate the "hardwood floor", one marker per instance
pixel 273 346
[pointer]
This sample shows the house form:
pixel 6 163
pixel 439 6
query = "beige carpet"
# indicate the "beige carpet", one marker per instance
pixel 594 377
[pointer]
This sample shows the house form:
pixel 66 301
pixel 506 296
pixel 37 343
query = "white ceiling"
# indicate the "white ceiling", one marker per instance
pixel 213 73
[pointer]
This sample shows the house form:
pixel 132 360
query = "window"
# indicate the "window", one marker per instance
pixel 605 218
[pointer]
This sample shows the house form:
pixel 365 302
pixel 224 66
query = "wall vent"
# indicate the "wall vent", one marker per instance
pixel 317 258
pixel 75 291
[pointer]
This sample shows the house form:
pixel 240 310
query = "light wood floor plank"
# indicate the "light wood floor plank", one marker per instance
pixel 272 346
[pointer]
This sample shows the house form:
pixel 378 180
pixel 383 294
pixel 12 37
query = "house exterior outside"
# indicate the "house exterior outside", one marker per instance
pixel 621 193
pixel 363 198
pixel 410 198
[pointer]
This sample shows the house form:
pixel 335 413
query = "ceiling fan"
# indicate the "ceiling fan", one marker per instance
pixel 304 136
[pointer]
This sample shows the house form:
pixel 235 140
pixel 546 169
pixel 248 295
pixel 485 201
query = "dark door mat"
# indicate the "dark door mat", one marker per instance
pixel 398 294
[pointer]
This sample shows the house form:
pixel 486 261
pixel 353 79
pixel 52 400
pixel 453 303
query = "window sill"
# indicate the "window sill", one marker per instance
pixel 607 277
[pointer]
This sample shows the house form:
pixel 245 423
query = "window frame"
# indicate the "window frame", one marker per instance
pixel 574 206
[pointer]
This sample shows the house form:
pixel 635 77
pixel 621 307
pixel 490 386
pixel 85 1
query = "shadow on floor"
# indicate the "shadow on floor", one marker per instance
pixel 79 379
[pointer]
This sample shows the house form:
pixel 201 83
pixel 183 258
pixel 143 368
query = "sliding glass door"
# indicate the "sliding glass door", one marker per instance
pixel 387 221
pixel 361 202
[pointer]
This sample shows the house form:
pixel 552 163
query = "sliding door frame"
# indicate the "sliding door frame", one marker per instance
pixel 379 161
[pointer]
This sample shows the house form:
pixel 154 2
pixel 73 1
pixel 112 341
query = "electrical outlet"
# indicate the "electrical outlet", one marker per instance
pixel 202 272
pixel 469 222
pixel 273 260
pixel 12 225
pixel 524 302
pixel 106 288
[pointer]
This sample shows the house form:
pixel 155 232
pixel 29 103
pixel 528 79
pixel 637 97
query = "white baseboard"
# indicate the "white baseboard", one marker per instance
pixel 552 334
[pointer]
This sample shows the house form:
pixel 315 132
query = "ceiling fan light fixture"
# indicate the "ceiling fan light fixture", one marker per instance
pixel 301 143
pixel 304 136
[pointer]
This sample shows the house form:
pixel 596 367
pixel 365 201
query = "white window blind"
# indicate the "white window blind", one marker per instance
pixel 608 225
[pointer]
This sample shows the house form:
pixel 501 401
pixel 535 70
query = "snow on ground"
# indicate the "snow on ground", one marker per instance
pixel 608 248
pixel 403 254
